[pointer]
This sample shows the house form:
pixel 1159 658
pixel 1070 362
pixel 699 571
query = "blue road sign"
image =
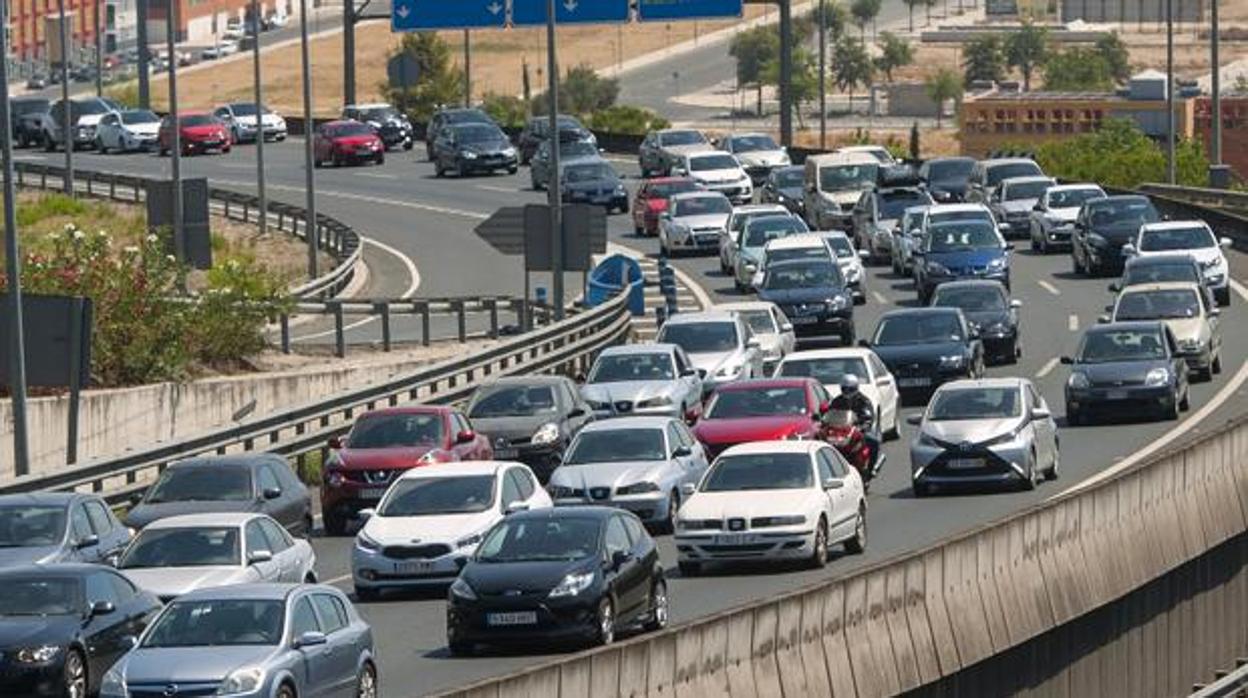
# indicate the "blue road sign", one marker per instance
pixel 663 10
pixel 418 15
pixel 530 12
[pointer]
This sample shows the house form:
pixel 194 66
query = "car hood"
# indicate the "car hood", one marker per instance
pixel 627 390
pixel 447 528
pixel 493 146
pixel 27 631
pixel 1186 329
pixel 202 131
pixel 790 192
pixel 494 578
pixel 166 665
pixel 844 196
pixel 734 431
pixel 592 184
pixel 710 361
pixel 26 555
pixel 148 129
pixel 724 176
pixel 962 258
pixel 683 149
pixel 788 296
pixel 970 430
pixel 513 427
pixel 1017 206
pixel 894 354
pixel 167 582
pixel 355 141
pixel 145 512
pixel 1202 256
pixel 718 506
pixel 613 475
pixel 1064 215
pixel 987 318
pixel 709 220
pixel 763 158
pixel 90 119
pixel 385 458
pixel 1127 371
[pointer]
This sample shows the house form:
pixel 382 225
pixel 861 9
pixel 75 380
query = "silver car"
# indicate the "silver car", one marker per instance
pixel 907 238
pixel 650 379
pixel 694 221
pixel 179 554
pixel 49 527
pixel 252 640
pixel 719 344
pixel 758 232
pixel 1053 218
pixel 985 431
pixel 731 237
pixel 1013 200
pixel 569 151
pixel 758 154
pixel 634 463
pixel 770 327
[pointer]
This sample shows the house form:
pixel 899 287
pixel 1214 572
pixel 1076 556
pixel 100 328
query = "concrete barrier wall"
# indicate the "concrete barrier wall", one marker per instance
pixel 1136 586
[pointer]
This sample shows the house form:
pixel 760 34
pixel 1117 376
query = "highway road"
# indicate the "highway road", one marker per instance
pixel 430 221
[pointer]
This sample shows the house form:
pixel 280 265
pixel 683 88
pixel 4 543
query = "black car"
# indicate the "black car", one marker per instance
pixel 260 482
pixel 926 347
pixel 1162 268
pixel 447 117
pixel 26 115
pixel 63 626
pixel 1103 227
pixel 47 527
pixel 537 131
pixel 947 179
pixel 1126 368
pixel 784 186
pixel 531 419
pixel 987 305
pixel 595 183
pixel 391 124
pixel 468 148
pixel 813 294
pixel 561 574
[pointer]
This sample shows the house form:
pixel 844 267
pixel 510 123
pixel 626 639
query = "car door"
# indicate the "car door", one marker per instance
pixel 1045 429
pixel 134 608
pixel 317 660
pixel 285 555
pixel 647 552
pixel 273 499
pixel 525 483
pixel 106 131
pixel 886 386
pixel 628 578
pixel 788 340
pixel 691 383
pixel 111 534
pixel 254 542
pixel 1208 309
pixel 105 633
pixel 340 655
pixel 578 413
pixel 841 501
pixel 82 545
pixel 699 462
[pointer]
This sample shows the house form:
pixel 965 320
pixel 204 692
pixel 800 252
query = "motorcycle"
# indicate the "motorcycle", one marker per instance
pixel 848 437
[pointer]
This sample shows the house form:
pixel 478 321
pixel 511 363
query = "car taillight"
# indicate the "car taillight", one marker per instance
pixel 657 204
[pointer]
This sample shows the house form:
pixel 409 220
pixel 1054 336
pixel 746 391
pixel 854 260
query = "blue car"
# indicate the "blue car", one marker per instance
pixel 959 250
pixel 813 295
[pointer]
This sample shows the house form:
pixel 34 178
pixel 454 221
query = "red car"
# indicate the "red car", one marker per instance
pixel 198 132
pixel 651 200
pixel 347 142
pixel 381 446
pixel 767 409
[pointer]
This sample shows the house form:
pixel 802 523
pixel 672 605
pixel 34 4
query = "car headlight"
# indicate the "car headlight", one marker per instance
pixel 619 189
pixel 660 401
pixel 996 264
pixel 1079 381
pixel 469 541
pixel 1097 240
pixel 468 155
pixel 838 302
pixel 762 522
pixel 638 488
pixel 546 434
pixel 795 436
pixel 729 370
pixel 852 273
pixel 1004 438
pixel 572 584
pixel 246 680
pixel 37 655
pixel 463 590
pixel 997 329
pixel 1191 344
pixel 952 361
pixel 113 685
pixel 509 152
pixel 335 479
pixel 926 439
pixel 1157 376
pixel 936 268
pixel 364 542
pixel 598 405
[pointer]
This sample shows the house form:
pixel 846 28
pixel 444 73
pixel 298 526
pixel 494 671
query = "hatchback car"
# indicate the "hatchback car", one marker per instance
pixel 392 125
pixel 47 527
pixel 1103 227
pixel 127 131
pixel 569 573
pixel 986 175
pixel 715 171
pixel 693 222
pixel 878 213
pixel 198 132
pixel 758 154
pixel 651 200
pixel 992 313
pixel 830 366
pixel 246 122
pixel 850 259
pixel 537 131
pixel 466 149
pixel 767 409
pixel 1053 217
pixel 1013 201
pixel 1185 308
pixel 926 347
pixel 1193 237
pixel 595 183
pixel 1126 368
pixel 907 237
pixel 769 326
pixel 448 116
pixel 651 379
pixel 730 240
pixel 660 150
pixel 346 143
pixel 26 114
pixel 792 247
pixel 1160 268
pixel 959 251
pixel 531 419
pixel 947 179
pixel 569 152
pixel 783 186
pixel 813 295
pixel 758 232
pixel 718 343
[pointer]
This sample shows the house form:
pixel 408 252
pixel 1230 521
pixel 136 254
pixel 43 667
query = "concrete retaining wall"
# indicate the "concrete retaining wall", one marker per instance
pixel 1133 587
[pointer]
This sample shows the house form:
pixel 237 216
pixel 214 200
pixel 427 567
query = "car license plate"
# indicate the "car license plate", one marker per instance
pixel 506 453
pixel 372 493
pixel 513 618
pixel 799 320
pixel 363 151
pixel 735 538
pixel 916 382
pixel 413 567
pixel 965 463
pixel 1117 395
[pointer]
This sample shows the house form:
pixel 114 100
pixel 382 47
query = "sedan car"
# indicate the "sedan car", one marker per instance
pixel 198 132
pixel 246 122
pixel 769 326
pixel 651 200
pixel 127 131
pixel 990 431
pixel 926 347
pixel 63 626
pixel 813 295
pixel 569 573
pixel 878 213
pixel 660 150
pixel 1193 237
pixel 595 183
pixel 384 444
pixel 716 171
pixel 468 148
pixel 244 482
pixel 1013 201
pixel 1125 368
pixel 783 186
pixel 780 500
pixel 569 152
pixel 48 527
pixel 1185 308
pixel 958 251
pixel 693 221
pixel 719 345
pixel 347 142
pixel 1053 217
pixel 1103 227
pixel 986 175
pixel 730 240
pixel 634 463
pixel 758 154
pixel 651 379
pixel 830 366
pixel 753 241
pixel 179 554
pixel 449 116
pixel 947 179
pixel 987 305
pixel 431 520
pixel 531 419
pixel 537 131
pixel 767 409
pixel 254 640
pixel 392 125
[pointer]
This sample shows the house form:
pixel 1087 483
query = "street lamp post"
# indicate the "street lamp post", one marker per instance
pixel 259 95
pixel 175 152
pixel 554 195
pixel 309 184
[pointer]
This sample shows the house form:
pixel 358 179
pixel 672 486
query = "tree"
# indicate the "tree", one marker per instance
pixel 864 12
pixel 627 119
pixel 895 52
pixel 852 67
pixel 753 49
pixel 915 150
pixel 983 59
pixel 581 91
pixel 1114 52
pixel 507 110
pixel 928 5
pixel 1027 48
pixel 836 20
pixel 438 83
pixel 1120 155
pixel 1078 69
pixel 942 87
pixel 805 78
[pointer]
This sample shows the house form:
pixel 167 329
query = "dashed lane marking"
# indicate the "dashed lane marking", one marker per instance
pixel 491 187
pixel 1072 323
pixel 1048 367
pixel 879 298
pixel 1049 287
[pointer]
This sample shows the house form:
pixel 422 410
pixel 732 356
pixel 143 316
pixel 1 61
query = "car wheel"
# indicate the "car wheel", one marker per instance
pixel 1222 295
pixel 921 489
pixel 1074 263
pixel 1033 475
pixel 460 649
pixel 366 594
pixel 307 525
pixel 512 170
pixel 893 431
pixel 49 145
pixel 335 524
pixel 366 684
pixel 1172 411
pixel 606 622
pixel 658 607
pixel 1073 417
pixel 380 159
pixel 1186 403
pixel 1044 244
pixel 99 146
pixel 847 338
pixel 688 568
pixel 75 675
pixel 673 506
pixel 1215 366
pixel 286 691
pixel 819 553
pixel 1054 470
pixel 437 169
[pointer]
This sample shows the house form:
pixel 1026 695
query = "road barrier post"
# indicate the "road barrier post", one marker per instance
pixel 384 309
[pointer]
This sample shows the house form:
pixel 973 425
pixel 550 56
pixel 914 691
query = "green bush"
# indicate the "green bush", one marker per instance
pixel 1120 155
pixel 623 118
pixel 507 110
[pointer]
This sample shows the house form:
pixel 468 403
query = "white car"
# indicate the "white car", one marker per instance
pixel 654 379
pixel 179 554
pixel 800 246
pixel 758 154
pixel 773 500
pixel 850 261
pixel 127 131
pixel 1053 218
pixel 1193 237
pixel 829 366
pixel 431 520
pixel 716 171
pixel 947 213
pixel 906 239
pixel 240 118
pixel 878 152
pixel 771 328
pixel 731 238
pixel 694 221
pixel 719 344
pixel 221 49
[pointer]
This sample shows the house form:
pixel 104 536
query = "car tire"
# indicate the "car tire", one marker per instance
pixel 512 170
pixel 920 489
pixel 847 338
pixel 1054 470
pixel 308 526
pixel 688 568
pixel 819 550
pixel 366 594
pixel 335 524
pixel 1222 296
pixel 1033 475
pixel 857 544
pixel 1073 417
pixel 1075 266
pixel 658 614
pixel 605 619
pixel 74 675
pixel 49 145
pixel 286 691
pixel 1215 366
pixel 673 506
pixel 1186 403
pixel 366 683
pixel 1173 411
pixel 460 649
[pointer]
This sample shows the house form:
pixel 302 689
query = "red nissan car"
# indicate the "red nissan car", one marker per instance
pixel 651 200
pixel 198 132
pixel 766 409
pixel 381 446
pixel 347 142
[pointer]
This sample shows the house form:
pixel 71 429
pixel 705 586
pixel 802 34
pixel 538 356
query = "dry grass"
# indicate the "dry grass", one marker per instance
pixel 934 142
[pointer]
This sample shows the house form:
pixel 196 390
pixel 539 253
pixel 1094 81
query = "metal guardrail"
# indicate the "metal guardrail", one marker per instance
pixel 332 236
pixel 1227 685
pixel 1226 199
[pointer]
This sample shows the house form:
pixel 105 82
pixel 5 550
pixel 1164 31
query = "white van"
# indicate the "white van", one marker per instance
pixel 833 184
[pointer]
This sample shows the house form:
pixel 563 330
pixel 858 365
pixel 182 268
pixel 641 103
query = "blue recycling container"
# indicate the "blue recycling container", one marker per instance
pixel 612 275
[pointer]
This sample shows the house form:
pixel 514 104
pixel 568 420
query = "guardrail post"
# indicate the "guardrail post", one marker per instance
pixel 492 304
pixel 285 322
pixel 112 187
pixel 422 307
pixel 340 341
pixel 384 308
pixel 462 320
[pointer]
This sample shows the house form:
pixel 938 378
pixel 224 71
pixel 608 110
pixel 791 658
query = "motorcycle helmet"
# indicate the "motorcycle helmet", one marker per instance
pixel 849 384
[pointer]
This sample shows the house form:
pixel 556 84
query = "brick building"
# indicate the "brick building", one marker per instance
pixel 1234 129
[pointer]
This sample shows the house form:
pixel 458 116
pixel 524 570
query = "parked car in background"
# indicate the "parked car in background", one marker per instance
pixel 651 201
pixel 48 527
pixel 392 125
pixel 347 143
pixel 1193 237
pixel 1126 368
pixel 991 312
pixel 26 117
pixel 830 366
pixel 650 379
pixel 531 419
pixel 468 148
pixel 986 175
pixel 730 240
pixel 758 154
pixel 769 326
pixel 1185 308
pixel 537 131
pixel 926 347
pixel 128 131
pixel 1013 201
pixel 716 171
pixel 959 251
pixel 242 117
pixel 1103 227
pixel 947 179
pixel 220 49
pixel 660 150
pixel 569 152
pixel 593 183
pixel 198 132
pixel 448 116
pixel 813 295
pixel 693 221
pixel 783 186
pixel 719 345
pixel 765 409
pixel 1053 217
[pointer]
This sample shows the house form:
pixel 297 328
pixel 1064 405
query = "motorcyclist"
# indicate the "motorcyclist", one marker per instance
pixel 853 400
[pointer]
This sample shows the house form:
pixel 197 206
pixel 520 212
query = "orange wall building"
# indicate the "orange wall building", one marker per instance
pixel 1234 129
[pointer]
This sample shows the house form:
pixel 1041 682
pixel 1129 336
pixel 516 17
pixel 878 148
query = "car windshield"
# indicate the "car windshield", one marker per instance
pixel 761 230
pixel 742 219
pixel 702 163
pixel 1196 237
pixel 842 246
pixel 466 116
pixel 893 204
pixel 1000 173
pixel 1019 191
pixel 828 371
pixel 351 129
pixel 571 149
pixel 844 177
pixel 975 403
pixel 976 214
pixel 1121 345
pixel 760 321
pixel 540 539
pixel 204 483
pixel 1158 305
pixel 699 337
pixel 919 329
pixel 785 254
pixel 40 596
pixel 701 206
pixel 513 401
pixel 617 446
pixel 243 109
pixel 215 546
pixel 760 471
pixel 1073 198
pixel 379 114
pixel 945 170
pixel 90 106
pixel 662 190
pixel 744 144
pixel 197 120
pixel 436 496
pixel 681 138
pixel 477 133
pixel 970 299
pixel 1128 211
pixel 138 116
pixel 632 367
pixel 1151 273
pixel 802 275
pixel 30 525
pixel 789 177
pixel 589 172
pixel 218 623
pixel 750 401
pixel 396 431
pixel 28 106
pixel 968 235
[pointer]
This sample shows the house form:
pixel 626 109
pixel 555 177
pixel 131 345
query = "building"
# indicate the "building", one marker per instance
pixel 29 26
pixel 201 21
pixel 1234 129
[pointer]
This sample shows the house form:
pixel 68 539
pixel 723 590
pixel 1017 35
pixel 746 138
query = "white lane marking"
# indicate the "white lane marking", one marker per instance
pixel 1048 367
pixel 879 298
pixel 374 175
pixel 1072 323
pixel 1183 427
pixel 371 199
pixel 336 580
pixel 491 187
pixel 1049 287
pixel 412 272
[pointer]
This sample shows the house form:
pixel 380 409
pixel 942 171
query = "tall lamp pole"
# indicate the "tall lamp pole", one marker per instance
pixel 67 134
pixel 1215 139
pixel 1170 164
pixel 309 183
pixel 554 195
pixel 99 52
pixel 175 152
pixel 259 94
pixel 823 69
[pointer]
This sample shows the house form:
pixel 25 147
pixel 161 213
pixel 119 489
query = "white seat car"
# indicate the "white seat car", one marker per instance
pixel 719 344
pixel 693 221
pixel 773 500
pixel 731 238
pixel 179 554
pixel 758 232
pixel 1053 218
pixel 653 379
pixel 431 520
pixel 771 328
pixel 829 366
pixel 1193 237
pixel 717 171
pixel 127 131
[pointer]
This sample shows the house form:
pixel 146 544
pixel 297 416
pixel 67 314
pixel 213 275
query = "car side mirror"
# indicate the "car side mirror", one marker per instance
pixel 679 172
pixel 786 327
pixel 824 406
pixel 272 492
pixel 1128 249
pixel 1214 312
pixel 1016 304
pixel 689 373
pixel 1038 207
pixel 864 343
pixel 465 436
pixel 576 412
pixel 515 507
pixel 258 556
pixel 974 332
pixel 833 484
pixel 1103 319
pixel 1003 227
pixel 1224 242
pixel 1066 360
pixel 312 638
pixel 620 558
pixel 1041 413
pixel 1114 287
pixel 682 452
pixel 863 254
pixel 135 499
pixel 129 642
pixel 1008 247
pixel 101 608
pixel 88 541
pixel 914 419
pixel 753 343
pixel 334 442
pixel 366 514
pixel 701 372
pixel 687 490
pixel 1109 308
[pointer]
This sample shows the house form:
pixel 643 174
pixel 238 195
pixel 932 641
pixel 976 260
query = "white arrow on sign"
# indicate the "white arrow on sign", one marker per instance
pixel 494 8
pixel 402 11
pixel 569 5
